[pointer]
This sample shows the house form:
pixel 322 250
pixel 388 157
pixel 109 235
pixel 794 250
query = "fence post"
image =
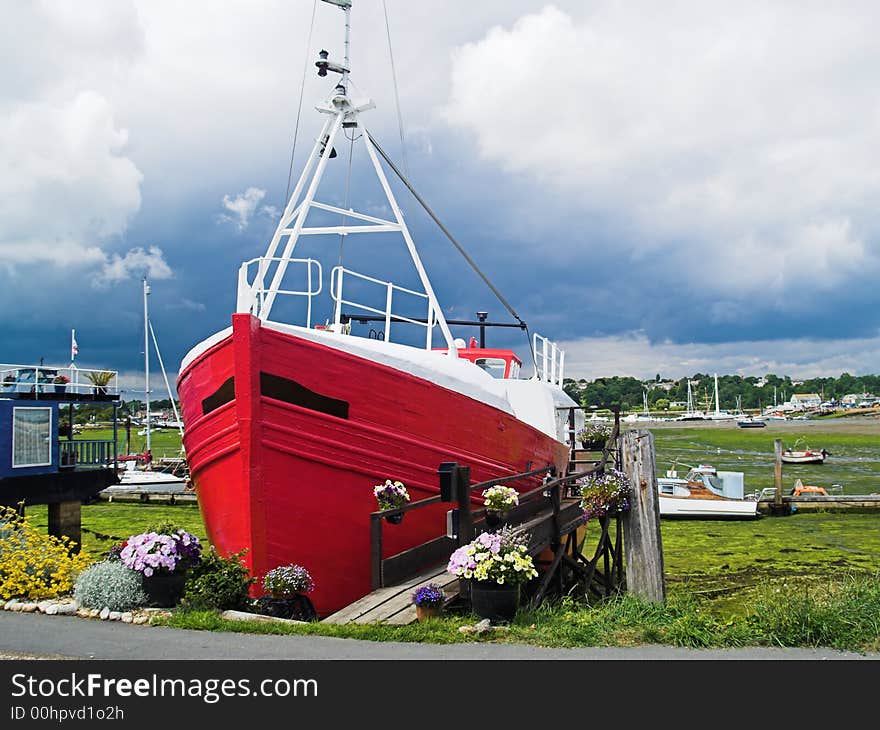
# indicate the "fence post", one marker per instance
pixel 463 497
pixel 375 552
pixel 643 545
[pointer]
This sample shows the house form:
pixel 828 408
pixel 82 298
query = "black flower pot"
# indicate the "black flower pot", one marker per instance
pixel 494 602
pixel 164 590
pixel 495 519
pixel 298 607
pixel 395 519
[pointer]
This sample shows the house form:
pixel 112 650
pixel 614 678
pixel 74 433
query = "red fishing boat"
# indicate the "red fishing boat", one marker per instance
pixel 288 427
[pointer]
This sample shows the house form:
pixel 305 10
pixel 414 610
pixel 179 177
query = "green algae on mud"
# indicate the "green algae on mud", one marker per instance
pixel 853 446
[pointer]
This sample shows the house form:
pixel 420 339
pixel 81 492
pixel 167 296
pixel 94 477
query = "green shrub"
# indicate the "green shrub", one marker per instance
pixel 110 584
pixel 166 527
pixel 218 583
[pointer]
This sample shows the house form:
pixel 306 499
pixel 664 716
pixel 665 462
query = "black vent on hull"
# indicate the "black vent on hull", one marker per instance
pixel 289 391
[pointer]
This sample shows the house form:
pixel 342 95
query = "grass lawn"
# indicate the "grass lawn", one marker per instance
pixel 810 579
pixel 725 581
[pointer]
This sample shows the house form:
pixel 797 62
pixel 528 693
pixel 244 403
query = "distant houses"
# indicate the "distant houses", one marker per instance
pixel 860 400
pixel 804 401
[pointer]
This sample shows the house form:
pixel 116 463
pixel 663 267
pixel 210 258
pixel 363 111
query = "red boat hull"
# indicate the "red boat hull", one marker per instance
pixel 286 437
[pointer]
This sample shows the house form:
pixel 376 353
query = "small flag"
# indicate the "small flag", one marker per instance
pixel 74 348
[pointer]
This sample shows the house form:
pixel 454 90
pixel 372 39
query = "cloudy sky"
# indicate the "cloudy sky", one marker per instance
pixel 675 187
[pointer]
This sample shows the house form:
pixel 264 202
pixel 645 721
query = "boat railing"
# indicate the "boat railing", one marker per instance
pixel 253 292
pixel 87 454
pixel 549 360
pixel 468 520
pixel 338 293
pixel 71 380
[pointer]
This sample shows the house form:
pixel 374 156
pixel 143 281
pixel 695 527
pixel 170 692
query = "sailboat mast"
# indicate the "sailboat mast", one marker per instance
pixel 147 360
pixel 717 403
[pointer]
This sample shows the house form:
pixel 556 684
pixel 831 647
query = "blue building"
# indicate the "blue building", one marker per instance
pixel 40 460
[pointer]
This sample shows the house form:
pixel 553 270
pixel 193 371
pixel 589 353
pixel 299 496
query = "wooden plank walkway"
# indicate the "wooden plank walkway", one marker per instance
pixel 392 604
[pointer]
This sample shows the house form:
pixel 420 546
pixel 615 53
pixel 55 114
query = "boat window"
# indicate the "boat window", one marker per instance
pixel 666 489
pixel 714 483
pixel 31 442
pixel 495 366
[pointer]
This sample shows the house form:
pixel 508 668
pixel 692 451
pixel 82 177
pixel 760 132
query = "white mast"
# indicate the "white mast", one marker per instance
pixel 343 113
pixel 147 359
pixel 717 403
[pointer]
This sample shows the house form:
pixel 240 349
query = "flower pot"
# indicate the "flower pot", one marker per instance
pixel 425 612
pixel 100 390
pixel 395 519
pixel 60 387
pixel 493 601
pixel 164 590
pixel 593 445
pixel 495 519
pixel 298 607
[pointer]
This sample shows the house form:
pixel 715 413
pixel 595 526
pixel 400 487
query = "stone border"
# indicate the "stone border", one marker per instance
pixel 68 606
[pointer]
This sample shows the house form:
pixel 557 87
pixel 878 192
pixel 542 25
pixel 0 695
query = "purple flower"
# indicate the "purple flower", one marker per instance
pixel 429 595
pixel 150 552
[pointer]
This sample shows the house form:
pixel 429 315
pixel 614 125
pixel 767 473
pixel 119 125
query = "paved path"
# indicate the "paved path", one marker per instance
pixel 37 636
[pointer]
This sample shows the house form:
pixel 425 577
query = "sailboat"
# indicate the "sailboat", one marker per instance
pixel 138 469
pixel 720 415
pixel 290 421
pixel 691 414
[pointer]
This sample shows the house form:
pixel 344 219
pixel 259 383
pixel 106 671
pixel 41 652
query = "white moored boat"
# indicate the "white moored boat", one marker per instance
pixel 705 492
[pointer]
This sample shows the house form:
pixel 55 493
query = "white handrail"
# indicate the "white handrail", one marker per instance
pixel 252 294
pixel 336 276
pixel 549 360
pixel 41 379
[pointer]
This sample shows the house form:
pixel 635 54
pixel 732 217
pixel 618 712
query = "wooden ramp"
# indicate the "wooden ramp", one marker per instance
pixel 392 605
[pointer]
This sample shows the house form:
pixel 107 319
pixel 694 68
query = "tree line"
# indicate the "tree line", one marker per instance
pixel 754 392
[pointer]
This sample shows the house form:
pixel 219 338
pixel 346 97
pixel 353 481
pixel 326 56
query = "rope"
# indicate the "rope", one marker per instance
pixel 396 95
pixel 299 108
pixel 455 243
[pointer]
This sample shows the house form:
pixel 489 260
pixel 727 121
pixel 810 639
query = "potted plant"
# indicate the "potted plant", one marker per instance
pixel 594 435
pixel 162 559
pixel 100 379
pixel 391 495
pixel 428 601
pixel 604 493
pixel 286 587
pixel 497 564
pixel 61 382
pixel 498 501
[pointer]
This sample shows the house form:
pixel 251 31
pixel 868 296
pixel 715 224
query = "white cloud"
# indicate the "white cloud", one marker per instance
pixel 739 143
pixel 242 206
pixel 635 355
pixel 65 184
pixel 136 262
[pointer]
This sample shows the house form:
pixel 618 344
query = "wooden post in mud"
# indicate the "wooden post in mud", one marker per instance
pixel 641 524
pixel 778 508
pixel 777 473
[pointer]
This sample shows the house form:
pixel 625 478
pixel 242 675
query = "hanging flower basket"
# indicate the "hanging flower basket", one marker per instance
pixel 594 435
pixel 605 493
pixel 390 495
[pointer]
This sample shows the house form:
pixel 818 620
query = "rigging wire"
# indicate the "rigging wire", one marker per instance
pixel 396 95
pixel 347 191
pixel 299 108
pixel 455 243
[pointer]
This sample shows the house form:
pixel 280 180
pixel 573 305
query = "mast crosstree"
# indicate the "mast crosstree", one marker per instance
pixel 343 113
